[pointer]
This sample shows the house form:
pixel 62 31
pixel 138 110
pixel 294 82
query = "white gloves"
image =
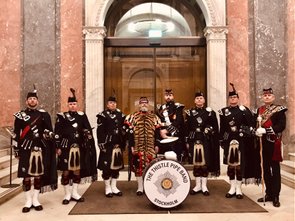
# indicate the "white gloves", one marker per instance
pixel 260 131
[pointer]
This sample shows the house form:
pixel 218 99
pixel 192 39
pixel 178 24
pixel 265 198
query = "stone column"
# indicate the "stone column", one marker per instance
pixel 290 92
pixel 216 66
pixel 94 77
pixel 40 51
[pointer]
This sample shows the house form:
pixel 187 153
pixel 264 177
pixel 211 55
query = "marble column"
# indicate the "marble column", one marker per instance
pixel 216 66
pixel 10 60
pixel 291 76
pixel 94 76
pixel 40 52
pixel 271 53
pixel 238 50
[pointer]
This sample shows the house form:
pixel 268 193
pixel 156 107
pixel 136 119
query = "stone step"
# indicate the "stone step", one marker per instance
pixel 9 190
pixel 5 161
pixel 292 156
pixel 288 179
pixel 4 151
pixel 5 174
pixel 4 138
pixel 288 166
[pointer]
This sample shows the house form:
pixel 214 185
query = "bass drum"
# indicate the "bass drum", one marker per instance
pixel 166 183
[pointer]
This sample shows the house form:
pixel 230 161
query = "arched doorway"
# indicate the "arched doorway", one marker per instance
pixel 138 87
pixel 177 56
pixel 214 15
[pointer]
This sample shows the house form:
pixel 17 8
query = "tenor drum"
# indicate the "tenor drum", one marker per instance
pixel 166 183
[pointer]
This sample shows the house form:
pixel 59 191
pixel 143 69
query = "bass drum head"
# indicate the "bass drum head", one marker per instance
pixel 166 183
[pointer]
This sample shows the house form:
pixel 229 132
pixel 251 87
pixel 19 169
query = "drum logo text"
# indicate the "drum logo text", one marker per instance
pixel 167 164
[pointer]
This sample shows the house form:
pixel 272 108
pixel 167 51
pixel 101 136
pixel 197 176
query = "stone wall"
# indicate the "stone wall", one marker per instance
pixel 238 49
pixel 41 52
pixel 290 45
pixel 41 44
pixel 269 63
pixel 270 49
pixel 10 60
pixel 71 52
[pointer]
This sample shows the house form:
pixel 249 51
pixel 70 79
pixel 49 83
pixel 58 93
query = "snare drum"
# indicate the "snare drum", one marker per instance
pixel 166 183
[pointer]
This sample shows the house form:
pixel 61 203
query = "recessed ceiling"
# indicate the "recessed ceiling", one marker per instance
pixel 161 18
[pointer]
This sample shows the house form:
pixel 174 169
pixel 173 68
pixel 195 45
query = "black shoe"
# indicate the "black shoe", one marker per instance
pixel 139 193
pixel 276 202
pixel 109 195
pixel 118 194
pixel 80 200
pixel 265 199
pixel 26 209
pixel 65 202
pixel 192 192
pixel 206 193
pixel 38 208
pixel 228 195
pixel 239 196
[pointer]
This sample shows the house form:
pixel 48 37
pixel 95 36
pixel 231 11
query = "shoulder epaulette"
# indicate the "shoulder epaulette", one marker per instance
pixel 20 114
pixel 281 107
pixel 242 108
pixel 100 114
pixel 61 114
pixel 209 109
pixel 80 113
pixel 179 105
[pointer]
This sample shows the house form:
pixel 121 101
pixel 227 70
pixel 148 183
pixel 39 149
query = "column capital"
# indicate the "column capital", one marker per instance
pixel 94 32
pixel 215 33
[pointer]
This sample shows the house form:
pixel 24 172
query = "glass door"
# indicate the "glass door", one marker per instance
pixel 132 72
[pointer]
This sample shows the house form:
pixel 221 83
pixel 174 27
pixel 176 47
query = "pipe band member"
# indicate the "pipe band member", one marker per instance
pixel 201 136
pixel 111 142
pixel 34 147
pixel 273 123
pixel 172 122
pixel 143 132
pixel 75 149
pixel 236 126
